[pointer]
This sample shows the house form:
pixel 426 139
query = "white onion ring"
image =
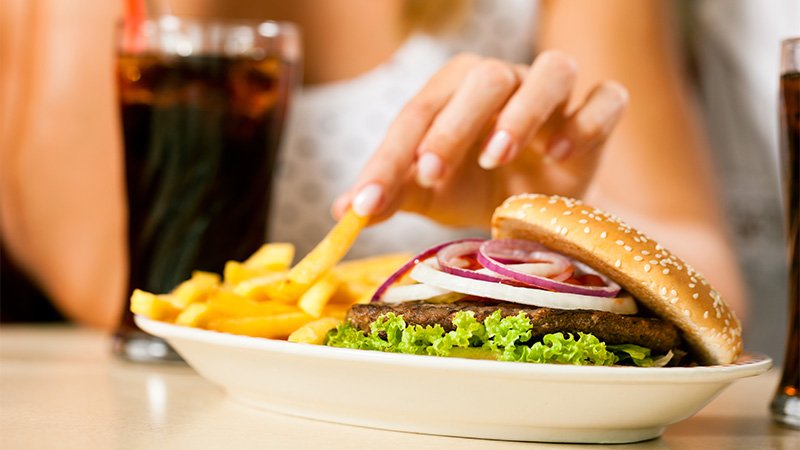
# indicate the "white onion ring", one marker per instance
pixel 424 273
pixel 525 250
pixel 419 291
pixel 412 292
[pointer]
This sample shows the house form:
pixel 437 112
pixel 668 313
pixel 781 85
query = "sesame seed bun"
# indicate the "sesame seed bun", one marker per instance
pixel 658 279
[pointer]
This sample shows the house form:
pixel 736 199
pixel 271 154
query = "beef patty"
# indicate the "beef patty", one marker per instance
pixel 658 335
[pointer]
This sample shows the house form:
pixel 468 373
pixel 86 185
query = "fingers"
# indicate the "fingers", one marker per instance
pixel 388 168
pixel 485 90
pixel 439 127
pixel 590 125
pixel 546 86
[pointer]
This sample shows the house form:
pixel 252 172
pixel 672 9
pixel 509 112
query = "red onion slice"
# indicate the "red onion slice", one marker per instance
pixel 454 257
pixel 522 250
pixel 405 268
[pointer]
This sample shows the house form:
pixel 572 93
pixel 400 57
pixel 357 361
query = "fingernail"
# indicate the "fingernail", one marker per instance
pixel 429 169
pixel 367 199
pixel 559 149
pixel 496 150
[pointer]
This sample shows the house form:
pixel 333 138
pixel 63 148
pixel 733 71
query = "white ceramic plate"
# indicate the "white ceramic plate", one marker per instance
pixel 452 396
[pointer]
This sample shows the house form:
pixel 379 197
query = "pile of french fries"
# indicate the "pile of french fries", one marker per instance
pixel 264 296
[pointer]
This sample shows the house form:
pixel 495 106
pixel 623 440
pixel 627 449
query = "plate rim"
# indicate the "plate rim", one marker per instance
pixel 749 364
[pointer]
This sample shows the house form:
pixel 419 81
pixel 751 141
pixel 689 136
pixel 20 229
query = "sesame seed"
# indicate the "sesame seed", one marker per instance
pixel 647 267
pixel 603 235
pixel 673 300
pixel 553 221
pixel 705 315
pixel 695 296
pixel 583 221
pixel 692 285
pixel 637 258
pixel 543 209
pixel 673 292
pixel 617 263
pixel 663 290
pixel 665 271
pixel 564 231
pixel 586 230
pixel 645 252
pixel 619 242
pixel 567 213
pixel 687 312
pixel 628 248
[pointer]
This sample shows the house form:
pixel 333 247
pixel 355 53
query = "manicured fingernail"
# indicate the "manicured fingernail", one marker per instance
pixel 496 150
pixel 429 169
pixel 559 149
pixel 367 199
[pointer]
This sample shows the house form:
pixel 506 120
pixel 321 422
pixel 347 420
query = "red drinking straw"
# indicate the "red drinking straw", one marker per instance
pixel 134 16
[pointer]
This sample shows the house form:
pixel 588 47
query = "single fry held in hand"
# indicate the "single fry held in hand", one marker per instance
pixel 264 296
pixel 323 257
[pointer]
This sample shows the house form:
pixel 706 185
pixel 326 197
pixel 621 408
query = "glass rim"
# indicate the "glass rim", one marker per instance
pixel 790 55
pixel 278 27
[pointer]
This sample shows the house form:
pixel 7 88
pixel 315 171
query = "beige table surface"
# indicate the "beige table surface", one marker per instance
pixel 61 388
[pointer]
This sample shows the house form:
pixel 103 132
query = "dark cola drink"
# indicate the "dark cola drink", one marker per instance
pixel 786 404
pixel 201 135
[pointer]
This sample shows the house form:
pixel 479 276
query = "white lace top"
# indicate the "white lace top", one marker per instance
pixel 335 127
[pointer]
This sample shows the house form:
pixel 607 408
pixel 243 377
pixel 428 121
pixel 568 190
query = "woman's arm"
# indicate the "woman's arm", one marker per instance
pixel 61 196
pixel 656 170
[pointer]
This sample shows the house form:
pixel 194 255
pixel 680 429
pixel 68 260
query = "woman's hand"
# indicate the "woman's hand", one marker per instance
pixel 481 130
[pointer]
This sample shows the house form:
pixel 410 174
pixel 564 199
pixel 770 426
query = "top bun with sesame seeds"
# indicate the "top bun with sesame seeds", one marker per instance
pixel 658 279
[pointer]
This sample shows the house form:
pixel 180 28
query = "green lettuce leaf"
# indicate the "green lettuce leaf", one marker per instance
pixel 560 349
pixel 497 337
pixel 630 353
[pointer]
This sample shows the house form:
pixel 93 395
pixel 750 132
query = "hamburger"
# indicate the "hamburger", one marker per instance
pixel 559 282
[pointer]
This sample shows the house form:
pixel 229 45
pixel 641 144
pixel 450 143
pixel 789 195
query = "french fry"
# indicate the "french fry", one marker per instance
pixel 157 307
pixel 315 298
pixel 336 311
pixel 314 332
pixel 372 270
pixel 260 288
pixel 271 257
pixel 323 257
pixel 236 272
pixel 268 259
pixel 276 326
pixel 196 289
pixel 196 315
pixel 231 304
